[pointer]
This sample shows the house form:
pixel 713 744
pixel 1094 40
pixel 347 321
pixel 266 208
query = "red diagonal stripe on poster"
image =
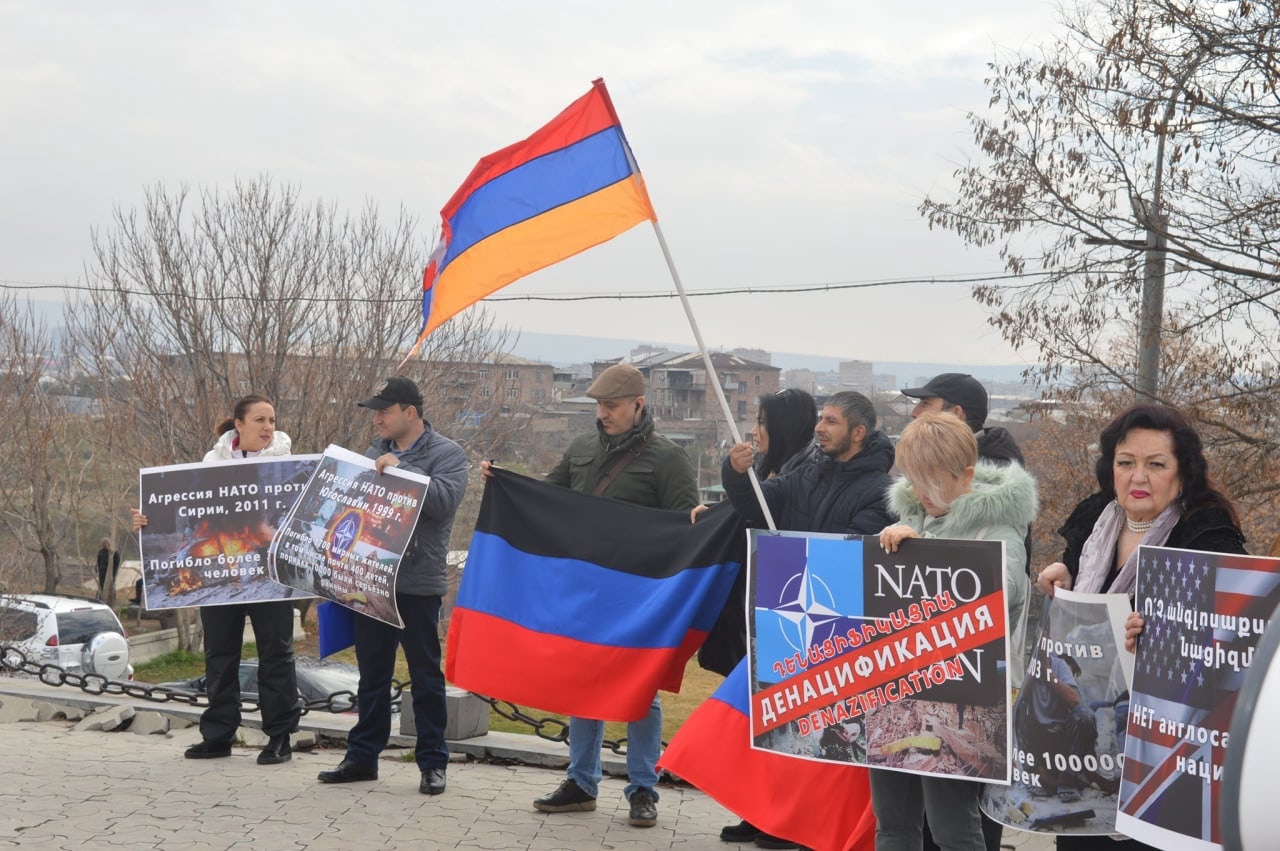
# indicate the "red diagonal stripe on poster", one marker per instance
pixel 834 679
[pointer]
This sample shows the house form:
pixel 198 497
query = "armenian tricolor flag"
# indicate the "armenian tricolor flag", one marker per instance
pixel 585 606
pixel 570 186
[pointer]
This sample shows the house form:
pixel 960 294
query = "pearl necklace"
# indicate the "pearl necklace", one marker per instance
pixel 1138 525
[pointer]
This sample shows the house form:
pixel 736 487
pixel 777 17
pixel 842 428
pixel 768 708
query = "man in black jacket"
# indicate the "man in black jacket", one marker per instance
pixel 841 492
pixel 964 396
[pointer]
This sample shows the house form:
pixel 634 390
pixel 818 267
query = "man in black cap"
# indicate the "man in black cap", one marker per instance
pixel 408 441
pixel 964 396
pixel 623 458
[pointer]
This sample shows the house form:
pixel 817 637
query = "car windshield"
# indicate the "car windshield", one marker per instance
pixel 79 626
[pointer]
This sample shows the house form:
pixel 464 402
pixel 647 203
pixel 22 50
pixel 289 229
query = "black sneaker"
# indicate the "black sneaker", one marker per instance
pixel 276 751
pixel 743 831
pixel 568 798
pixel 208 750
pixel 644 809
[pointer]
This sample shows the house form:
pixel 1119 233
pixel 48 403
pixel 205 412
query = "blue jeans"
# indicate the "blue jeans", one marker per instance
pixel 644 746
pixel 376 644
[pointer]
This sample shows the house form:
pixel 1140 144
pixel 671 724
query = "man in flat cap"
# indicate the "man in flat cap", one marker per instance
pixel 407 441
pixel 624 458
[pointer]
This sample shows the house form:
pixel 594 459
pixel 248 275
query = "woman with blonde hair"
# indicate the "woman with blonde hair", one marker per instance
pixel 947 492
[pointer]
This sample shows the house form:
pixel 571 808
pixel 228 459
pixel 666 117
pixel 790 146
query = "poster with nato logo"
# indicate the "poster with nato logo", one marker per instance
pixel 209 529
pixel 893 661
pixel 345 537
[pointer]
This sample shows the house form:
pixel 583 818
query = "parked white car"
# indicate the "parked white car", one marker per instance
pixel 74 633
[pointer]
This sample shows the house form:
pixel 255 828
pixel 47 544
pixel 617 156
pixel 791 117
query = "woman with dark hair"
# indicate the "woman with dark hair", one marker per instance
pixel 784 431
pixel 1154 490
pixel 248 433
pixel 783 438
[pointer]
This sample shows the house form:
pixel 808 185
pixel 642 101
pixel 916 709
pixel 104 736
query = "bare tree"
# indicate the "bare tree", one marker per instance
pixel 1146 137
pixel 199 298
pixel 42 439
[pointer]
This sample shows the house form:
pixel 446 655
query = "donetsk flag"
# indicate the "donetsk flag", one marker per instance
pixel 826 806
pixel 570 186
pixel 583 605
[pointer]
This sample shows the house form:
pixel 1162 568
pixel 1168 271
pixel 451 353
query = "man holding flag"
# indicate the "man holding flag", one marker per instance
pixel 626 459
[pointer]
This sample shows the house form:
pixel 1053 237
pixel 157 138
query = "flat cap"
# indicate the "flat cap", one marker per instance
pixel 619 381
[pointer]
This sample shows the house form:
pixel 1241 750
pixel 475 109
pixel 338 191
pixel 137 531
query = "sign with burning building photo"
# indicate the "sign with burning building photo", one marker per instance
pixel 209 529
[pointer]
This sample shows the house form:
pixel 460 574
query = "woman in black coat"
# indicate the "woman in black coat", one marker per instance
pixel 1154 490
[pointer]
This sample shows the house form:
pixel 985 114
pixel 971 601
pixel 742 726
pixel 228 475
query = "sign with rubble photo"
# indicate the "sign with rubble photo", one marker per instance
pixel 209 529
pixel 1069 721
pixel 1204 615
pixel 895 661
pixel 345 537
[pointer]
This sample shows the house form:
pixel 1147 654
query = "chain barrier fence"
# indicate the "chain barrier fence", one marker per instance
pixel 13 660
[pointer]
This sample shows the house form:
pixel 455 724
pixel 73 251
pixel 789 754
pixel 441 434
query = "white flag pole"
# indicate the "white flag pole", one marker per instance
pixel 711 370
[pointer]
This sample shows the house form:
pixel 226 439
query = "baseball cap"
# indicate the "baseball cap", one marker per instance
pixel 956 388
pixel 396 390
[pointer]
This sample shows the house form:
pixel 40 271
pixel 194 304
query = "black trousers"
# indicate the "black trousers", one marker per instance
pixel 376 644
pixel 277 678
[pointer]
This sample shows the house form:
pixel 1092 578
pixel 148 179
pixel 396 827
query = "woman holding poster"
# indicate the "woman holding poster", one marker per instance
pixel 946 492
pixel 1153 490
pixel 250 432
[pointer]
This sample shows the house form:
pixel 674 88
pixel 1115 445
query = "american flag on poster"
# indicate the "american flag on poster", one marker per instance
pixel 1205 613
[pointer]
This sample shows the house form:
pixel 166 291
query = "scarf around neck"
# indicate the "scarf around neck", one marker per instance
pixel 1099 551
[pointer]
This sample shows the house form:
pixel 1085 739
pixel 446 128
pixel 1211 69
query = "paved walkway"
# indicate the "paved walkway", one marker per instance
pixel 70 788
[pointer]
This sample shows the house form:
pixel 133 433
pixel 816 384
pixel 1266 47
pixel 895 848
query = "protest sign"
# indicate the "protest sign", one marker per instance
pixel 886 660
pixel 209 529
pixel 1204 613
pixel 345 537
pixel 1069 720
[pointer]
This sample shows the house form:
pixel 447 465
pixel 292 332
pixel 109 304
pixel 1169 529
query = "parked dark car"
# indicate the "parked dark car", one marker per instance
pixel 317 680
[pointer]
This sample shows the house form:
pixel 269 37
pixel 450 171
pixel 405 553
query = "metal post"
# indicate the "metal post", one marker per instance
pixel 1152 317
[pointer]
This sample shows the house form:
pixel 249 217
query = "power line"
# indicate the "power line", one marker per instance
pixel 776 289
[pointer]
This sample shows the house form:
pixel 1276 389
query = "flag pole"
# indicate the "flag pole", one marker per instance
pixel 711 370
pixel 599 85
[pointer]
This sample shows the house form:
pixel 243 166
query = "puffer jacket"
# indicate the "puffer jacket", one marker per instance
pixel 661 476
pixel 280 445
pixel 823 495
pixel 999 507
pixel 422 570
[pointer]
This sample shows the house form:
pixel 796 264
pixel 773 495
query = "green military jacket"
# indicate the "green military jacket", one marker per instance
pixel 661 476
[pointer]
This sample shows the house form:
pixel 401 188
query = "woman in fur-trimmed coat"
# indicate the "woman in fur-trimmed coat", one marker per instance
pixel 946 492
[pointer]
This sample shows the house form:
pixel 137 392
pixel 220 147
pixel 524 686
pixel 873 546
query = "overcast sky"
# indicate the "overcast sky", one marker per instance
pixel 783 143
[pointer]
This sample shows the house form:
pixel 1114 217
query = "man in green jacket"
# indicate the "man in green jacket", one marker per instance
pixel 624 458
